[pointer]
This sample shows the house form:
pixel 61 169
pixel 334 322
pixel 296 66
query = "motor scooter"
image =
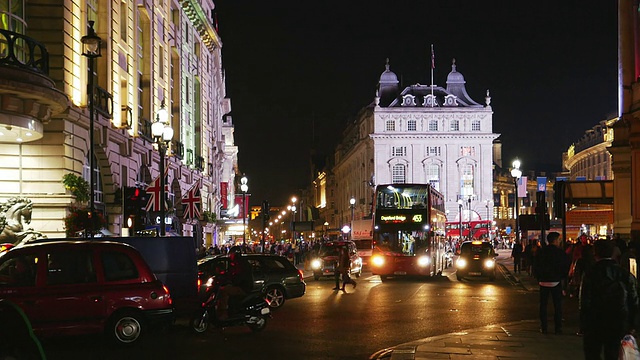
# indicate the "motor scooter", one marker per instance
pixel 251 310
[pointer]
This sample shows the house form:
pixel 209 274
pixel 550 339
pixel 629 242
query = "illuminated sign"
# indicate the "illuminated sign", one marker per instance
pixel 398 219
pixel 393 218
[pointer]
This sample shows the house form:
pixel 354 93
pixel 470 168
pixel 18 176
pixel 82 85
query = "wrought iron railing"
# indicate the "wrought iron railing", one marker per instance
pixel 23 52
pixel 144 129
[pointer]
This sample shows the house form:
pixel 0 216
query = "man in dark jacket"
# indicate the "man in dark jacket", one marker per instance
pixel 516 254
pixel 551 267
pixel 608 304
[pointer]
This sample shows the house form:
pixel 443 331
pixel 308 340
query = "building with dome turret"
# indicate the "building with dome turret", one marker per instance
pixel 418 134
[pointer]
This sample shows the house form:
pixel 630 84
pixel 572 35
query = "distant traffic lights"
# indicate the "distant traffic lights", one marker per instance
pixel 265 211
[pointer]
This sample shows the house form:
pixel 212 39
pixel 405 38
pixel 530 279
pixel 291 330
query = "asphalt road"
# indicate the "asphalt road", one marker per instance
pixel 327 324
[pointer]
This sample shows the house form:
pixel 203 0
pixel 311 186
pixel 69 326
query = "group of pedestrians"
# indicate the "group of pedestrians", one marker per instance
pixel 598 274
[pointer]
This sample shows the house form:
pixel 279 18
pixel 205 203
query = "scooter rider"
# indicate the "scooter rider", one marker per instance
pixel 240 278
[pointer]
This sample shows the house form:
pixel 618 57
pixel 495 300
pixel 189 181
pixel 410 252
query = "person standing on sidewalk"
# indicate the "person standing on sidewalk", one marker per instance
pixel 608 304
pixel 516 254
pixel 551 266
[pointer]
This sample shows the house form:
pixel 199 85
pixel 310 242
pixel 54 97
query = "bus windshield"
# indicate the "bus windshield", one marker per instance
pixel 405 242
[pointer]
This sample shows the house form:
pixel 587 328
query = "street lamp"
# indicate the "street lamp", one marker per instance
pixel 516 173
pixel 352 205
pixel 326 225
pixel 460 219
pixel 293 219
pixel 91 49
pixel 162 133
pixel 244 188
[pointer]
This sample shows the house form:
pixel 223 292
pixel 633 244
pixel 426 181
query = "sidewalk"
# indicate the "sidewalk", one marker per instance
pixel 517 340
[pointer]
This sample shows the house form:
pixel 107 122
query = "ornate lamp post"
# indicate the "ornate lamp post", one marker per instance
pixel 162 133
pixel 352 205
pixel 516 173
pixel 244 188
pixel 91 49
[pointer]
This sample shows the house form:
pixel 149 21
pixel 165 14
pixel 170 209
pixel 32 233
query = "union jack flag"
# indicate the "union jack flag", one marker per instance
pixel 154 193
pixel 191 202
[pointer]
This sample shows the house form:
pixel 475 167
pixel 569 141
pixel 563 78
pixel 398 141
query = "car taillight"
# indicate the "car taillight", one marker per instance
pixel 199 283
pixel 300 275
pixel 166 291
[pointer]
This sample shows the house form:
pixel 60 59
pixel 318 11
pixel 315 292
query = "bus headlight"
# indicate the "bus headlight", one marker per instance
pixel 489 263
pixel 377 260
pixel 461 263
pixel 316 264
pixel 423 261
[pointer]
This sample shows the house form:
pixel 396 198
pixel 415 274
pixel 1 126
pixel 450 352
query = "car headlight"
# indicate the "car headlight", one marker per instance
pixel 423 261
pixel 209 282
pixel 316 264
pixel 489 263
pixel 377 260
pixel 461 263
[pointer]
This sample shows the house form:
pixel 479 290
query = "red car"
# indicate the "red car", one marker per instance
pixel 79 287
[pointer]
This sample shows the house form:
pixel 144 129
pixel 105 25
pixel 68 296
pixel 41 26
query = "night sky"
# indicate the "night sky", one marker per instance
pixel 298 71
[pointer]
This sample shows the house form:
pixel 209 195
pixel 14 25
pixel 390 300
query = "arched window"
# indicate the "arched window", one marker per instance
pixel 398 174
pixel 433 176
pixel 466 180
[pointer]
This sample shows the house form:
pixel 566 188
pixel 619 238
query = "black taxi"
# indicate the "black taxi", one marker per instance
pixel 476 258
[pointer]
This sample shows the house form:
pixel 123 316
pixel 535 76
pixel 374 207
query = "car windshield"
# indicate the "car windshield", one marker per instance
pixel 476 249
pixel 330 250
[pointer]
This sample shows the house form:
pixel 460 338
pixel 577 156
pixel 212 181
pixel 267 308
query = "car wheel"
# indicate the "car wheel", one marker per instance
pixel 316 277
pixel 383 277
pixel 492 277
pixel 125 327
pixel 275 297
pixel 458 277
pixel 200 321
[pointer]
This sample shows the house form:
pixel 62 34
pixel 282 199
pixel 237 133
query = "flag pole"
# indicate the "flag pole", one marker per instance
pixel 433 65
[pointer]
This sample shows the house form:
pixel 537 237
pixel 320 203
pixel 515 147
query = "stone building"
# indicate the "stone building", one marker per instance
pixel 589 157
pixel 152 53
pixel 418 134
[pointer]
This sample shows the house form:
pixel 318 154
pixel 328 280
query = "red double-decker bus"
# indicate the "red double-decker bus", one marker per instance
pixel 480 229
pixel 408 231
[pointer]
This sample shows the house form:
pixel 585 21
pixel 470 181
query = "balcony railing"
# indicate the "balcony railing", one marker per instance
pixel 199 163
pixel 103 102
pixel 178 149
pixel 23 52
pixel 144 129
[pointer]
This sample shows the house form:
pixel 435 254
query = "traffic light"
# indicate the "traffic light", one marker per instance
pixel 558 199
pixel 542 218
pixel 134 213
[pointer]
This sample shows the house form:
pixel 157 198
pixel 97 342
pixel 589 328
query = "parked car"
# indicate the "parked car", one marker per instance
pixel 80 287
pixel 325 261
pixel 274 276
pixel 476 258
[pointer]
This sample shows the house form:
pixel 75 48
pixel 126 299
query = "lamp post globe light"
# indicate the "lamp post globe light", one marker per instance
pixel 516 173
pixel 244 188
pixel 91 45
pixel 162 133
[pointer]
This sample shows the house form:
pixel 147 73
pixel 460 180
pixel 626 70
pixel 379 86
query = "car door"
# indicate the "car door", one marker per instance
pixel 18 281
pixel 259 273
pixel 71 299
